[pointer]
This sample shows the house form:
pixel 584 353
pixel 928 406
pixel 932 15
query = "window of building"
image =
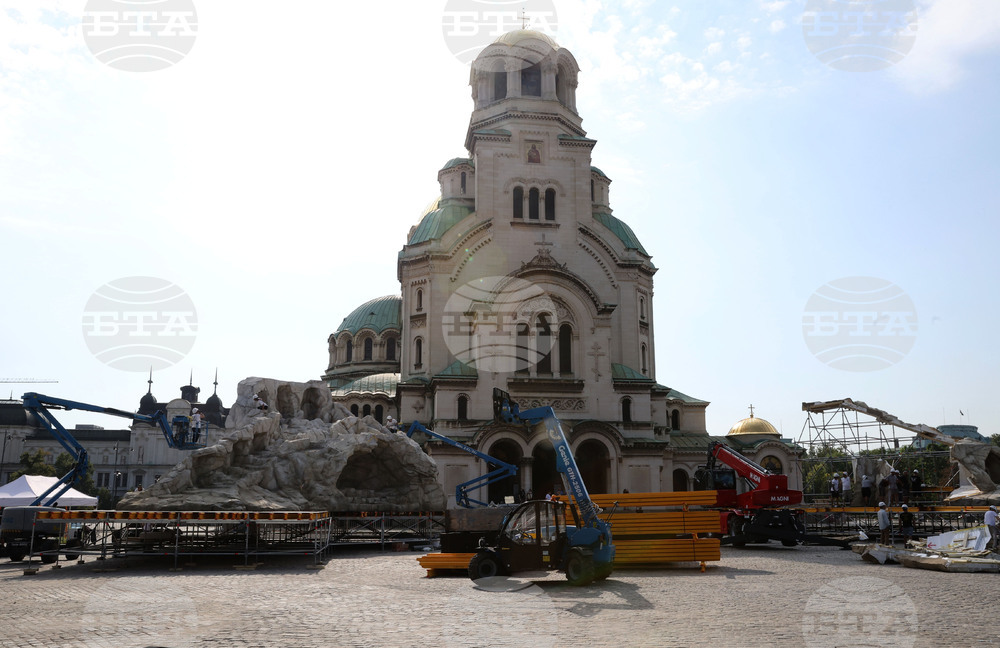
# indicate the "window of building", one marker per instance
pixel 367 410
pixel 390 349
pixel 103 479
pixel 521 348
pixel 531 81
pixel 379 410
pixel 418 353
pixel 643 358
pixel 626 410
pixel 354 409
pixel 642 308
pixel 368 348
pixel 543 338
pixel 499 85
pixel 565 349
pixel 518 202
pixel 675 420
pixel 420 299
pixel 138 482
pixel 550 204
pixel 591 191
pixel 349 353
pixel 463 182
pixel 463 408
pixel 533 204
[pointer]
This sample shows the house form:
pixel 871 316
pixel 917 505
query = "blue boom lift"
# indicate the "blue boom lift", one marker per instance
pixel 39 404
pixel 462 497
pixel 535 535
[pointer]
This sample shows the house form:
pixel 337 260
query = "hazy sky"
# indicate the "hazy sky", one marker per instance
pixel 273 173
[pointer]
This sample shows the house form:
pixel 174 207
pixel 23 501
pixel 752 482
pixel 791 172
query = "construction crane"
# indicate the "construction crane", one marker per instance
pixel 462 498
pixel 536 535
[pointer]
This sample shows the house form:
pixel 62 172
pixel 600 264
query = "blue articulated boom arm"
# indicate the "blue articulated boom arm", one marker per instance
pixel 506 410
pixel 39 404
pixel 462 498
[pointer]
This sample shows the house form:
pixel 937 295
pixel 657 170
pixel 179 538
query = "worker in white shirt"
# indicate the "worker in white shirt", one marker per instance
pixel 990 520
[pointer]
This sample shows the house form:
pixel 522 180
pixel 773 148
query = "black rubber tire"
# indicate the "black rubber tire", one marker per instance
pixel 579 568
pixel 483 565
pixel 603 571
pixel 16 557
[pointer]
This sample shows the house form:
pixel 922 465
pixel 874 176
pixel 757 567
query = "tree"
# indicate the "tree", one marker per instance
pixel 995 439
pixel 65 463
pixel 35 463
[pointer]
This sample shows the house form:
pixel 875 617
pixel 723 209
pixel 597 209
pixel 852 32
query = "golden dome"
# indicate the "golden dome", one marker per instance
pixel 753 425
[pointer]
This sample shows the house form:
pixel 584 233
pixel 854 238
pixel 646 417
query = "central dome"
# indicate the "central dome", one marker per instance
pixel 514 37
pixel 753 426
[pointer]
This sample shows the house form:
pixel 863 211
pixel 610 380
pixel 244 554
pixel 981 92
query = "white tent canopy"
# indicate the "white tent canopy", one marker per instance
pixel 26 488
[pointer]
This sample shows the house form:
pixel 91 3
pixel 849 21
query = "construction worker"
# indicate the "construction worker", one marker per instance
pixel 835 489
pixel 990 520
pixel 196 423
pixel 884 523
pixel 845 489
pixel 906 524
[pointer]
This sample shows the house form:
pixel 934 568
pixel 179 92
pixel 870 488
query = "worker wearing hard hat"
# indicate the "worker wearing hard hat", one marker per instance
pixel 884 523
pixel 990 520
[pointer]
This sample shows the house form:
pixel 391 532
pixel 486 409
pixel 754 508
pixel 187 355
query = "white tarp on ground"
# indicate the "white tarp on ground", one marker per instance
pixel 26 488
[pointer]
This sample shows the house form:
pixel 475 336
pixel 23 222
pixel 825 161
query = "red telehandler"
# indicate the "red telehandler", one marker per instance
pixel 760 513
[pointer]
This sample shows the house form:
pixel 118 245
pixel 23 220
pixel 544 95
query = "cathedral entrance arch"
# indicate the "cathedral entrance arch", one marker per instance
pixel 545 479
pixel 680 480
pixel 595 465
pixel 508 451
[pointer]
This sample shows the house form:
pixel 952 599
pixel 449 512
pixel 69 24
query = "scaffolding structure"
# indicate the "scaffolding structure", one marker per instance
pixel 841 432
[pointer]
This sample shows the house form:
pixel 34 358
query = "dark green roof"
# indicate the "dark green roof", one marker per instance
pixel 673 394
pixel 492 131
pixel 378 315
pixel 454 162
pixel 383 383
pixel 458 369
pixel 622 231
pixel 623 373
pixel 599 172
pixel 435 223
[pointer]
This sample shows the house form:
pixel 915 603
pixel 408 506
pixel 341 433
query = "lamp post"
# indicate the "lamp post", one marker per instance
pixel 3 453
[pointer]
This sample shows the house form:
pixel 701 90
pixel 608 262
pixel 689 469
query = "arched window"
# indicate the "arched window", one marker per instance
pixel 418 353
pixel 521 349
pixel 349 355
pixel 518 202
pixel 543 338
pixel 565 349
pixel 533 204
pixel 463 408
pixel 420 299
pixel 367 410
pixel 550 204
pixel 591 190
pixel 626 410
pixel 368 348
pixel 354 409
pixel 390 349
pixel 463 182
pixel 680 480
pixel 378 413
pixel 642 308
pixel 675 420
pixel 643 358
pixel 499 85
pixel 531 81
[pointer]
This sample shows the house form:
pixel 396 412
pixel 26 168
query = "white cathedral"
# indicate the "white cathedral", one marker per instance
pixel 520 277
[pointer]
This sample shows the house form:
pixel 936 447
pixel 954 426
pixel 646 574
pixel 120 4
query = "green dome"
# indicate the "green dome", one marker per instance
pixel 622 231
pixel 454 162
pixel 378 315
pixel 436 222
pixel 383 383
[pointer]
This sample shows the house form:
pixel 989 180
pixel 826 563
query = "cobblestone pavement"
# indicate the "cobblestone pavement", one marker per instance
pixel 757 596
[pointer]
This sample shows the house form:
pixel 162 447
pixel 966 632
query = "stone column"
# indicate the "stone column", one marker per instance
pixel 525 470
pixel 513 67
